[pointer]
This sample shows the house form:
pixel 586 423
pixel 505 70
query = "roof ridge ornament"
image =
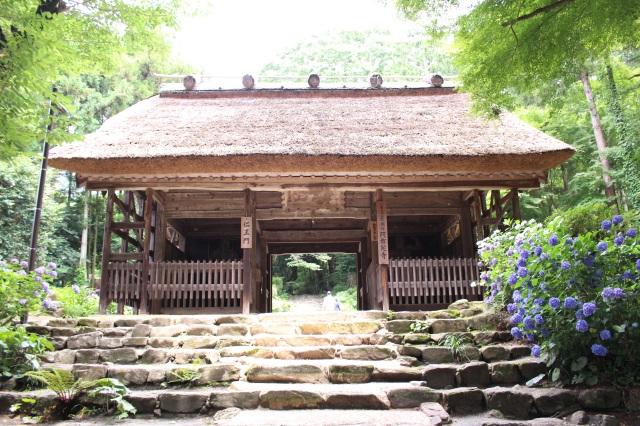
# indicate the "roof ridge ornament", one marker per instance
pixel 375 81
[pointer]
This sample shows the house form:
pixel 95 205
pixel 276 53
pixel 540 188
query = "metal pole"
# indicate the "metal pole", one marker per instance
pixel 35 229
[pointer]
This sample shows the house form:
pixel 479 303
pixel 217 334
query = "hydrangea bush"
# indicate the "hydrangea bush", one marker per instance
pixel 576 298
pixel 22 291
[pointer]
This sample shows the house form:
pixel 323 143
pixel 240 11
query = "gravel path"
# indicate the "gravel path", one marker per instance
pixel 306 303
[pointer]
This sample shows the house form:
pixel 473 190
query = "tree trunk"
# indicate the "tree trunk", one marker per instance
pixel 629 166
pixel 601 141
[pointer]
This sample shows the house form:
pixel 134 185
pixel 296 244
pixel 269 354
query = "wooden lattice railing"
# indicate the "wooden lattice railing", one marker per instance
pixel 432 281
pixel 178 284
pixel 196 284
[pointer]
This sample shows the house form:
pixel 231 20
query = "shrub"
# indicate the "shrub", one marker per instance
pixel 576 297
pixel 76 301
pixel 19 352
pixel 22 291
pixel 348 298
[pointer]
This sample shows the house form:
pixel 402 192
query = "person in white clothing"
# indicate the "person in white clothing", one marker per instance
pixel 329 303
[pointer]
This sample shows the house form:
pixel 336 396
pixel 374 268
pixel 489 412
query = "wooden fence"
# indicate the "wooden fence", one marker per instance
pixel 431 282
pixel 178 284
pixel 197 284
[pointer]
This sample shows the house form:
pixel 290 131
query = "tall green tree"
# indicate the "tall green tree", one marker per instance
pixel 40 40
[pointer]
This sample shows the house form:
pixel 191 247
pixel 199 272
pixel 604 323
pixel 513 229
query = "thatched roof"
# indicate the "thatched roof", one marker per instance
pixel 343 130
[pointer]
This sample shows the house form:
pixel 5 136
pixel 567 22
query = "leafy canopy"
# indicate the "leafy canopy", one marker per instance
pixel 41 40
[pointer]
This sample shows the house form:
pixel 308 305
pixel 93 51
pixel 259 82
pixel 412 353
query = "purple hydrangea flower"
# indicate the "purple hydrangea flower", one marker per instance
pixel 480 265
pixel 524 254
pixel 538 301
pixel 21 272
pixel 535 351
pixel 607 292
pixel 39 270
pixel 579 314
pixel 631 233
pixel 516 319
pixel 46 303
pixel 589 261
pixel 45 286
pixel 554 302
pixel 606 225
pixel 24 263
pixel 494 261
pixel 539 319
pixel 14 260
pixel 509 252
pixel 51 265
pixel 484 276
pixel 522 272
pixel 537 251
pixel 570 303
pixel 53 273
pixel 627 275
pixel 514 279
pixel 568 241
pixel 588 309
pixel 511 307
pixel 565 265
pixel 618 240
pixel 605 335
pixel 76 289
pixel 516 333
pixel 582 326
pixel 617 219
pixel 545 332
pixel 598 350
pixel 553 240
pixel 531 337
pixel 602 246
pixel 521 263
pixel 37 279
pixel 22 301
pixel 618 293
pixel 528 323
pixel 638 264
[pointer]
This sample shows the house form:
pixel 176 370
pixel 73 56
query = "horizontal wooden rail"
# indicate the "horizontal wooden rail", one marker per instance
pixel 432 281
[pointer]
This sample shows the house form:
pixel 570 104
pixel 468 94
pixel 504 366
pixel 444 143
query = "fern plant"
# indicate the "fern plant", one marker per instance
pixel 457 343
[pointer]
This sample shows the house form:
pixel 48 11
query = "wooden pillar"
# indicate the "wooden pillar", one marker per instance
pixel 466 231
pixel 247 242
pixel 383 249
pixel 515 204
pixel 106 251
pixel 159 247
pixel 144 282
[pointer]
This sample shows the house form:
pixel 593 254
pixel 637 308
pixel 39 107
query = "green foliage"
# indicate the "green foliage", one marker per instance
pixel 575 296
pixel 584 219
pixel 419 327
pixel 391 315
pixel 76 301
pixel 19 352
pixel 279 300
pixel 354 53
pixel 457 343
pixel 36 48
pixel 348 297
pixel 115 392
pixel 183 376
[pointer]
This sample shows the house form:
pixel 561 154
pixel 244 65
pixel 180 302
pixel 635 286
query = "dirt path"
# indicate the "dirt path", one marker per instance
pixel 306 303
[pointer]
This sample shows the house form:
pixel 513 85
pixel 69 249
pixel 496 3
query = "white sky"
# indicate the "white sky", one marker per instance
pixel 240 36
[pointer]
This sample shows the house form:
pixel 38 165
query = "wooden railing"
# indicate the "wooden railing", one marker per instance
pixel 432 282
pixel 178 284
pixel 196 284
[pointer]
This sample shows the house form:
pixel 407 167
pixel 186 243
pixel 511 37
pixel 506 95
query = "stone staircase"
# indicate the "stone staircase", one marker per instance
pixel 189 364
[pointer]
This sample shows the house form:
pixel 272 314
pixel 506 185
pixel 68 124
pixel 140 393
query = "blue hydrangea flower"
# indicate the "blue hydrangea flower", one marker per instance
pixel 545 332
pixel 522 272
pixel 521 263
pixel 631 233
pixel 588 309
pixel 565 265
pixel 606 225
pixel 598 350
pixel 617 219
pixel 521 310
pixel 511 307
pixel 607 292
pixel 605 335
pixel 53 273
pixel 537 251
pixel 45 286
pixel 21 272
pixel 528 323
pixel 509 252
pixel 36 278
pixel 516 318
pixel 531 337
pixel 22 301
pixel 539 319
pixel 480 265
pixel 524 254
pixel 570 303
pixel 512 279
pixel 618 240
pixel 517 296
pixel 628 275
pixel 538 301
pixel 602 246
pixel 582 326
pixel 46 303
pixel 554 302
pixel 618 293
pixel 553 240
pixel 568 241
pixel 516 333
pixel 579 314
pixel 494 261
pixel 24 263
pixel 589 261
pixel 535 351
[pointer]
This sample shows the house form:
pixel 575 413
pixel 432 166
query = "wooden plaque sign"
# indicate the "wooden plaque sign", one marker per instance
pixel 374 230
pixel 383 236
pixel 246 232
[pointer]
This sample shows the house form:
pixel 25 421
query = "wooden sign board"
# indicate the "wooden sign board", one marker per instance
pixel 246 232
pixel 374 231
pixel 383 235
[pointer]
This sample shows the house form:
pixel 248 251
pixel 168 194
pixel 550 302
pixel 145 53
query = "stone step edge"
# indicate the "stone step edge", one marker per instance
pixel 516 402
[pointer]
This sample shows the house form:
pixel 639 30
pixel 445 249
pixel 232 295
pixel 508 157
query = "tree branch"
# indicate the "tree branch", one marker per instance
pixel 537 12
pixel 634 76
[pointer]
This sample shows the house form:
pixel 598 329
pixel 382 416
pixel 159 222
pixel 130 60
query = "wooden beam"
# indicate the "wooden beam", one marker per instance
pixel 313 236
pixel 123 257
pixel 312 247
pixel 127 225
pixel 148 207
pixel 127 239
